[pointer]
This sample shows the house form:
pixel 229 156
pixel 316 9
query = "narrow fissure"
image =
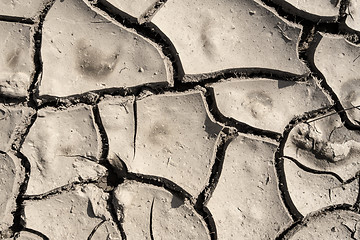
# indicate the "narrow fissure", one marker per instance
pixel 111 178
pixel 155 181
pixel 95 228
pixel 18 222
pixel 282 184
pixel 65 188
pixel 204 196
pixel 357 203
pixel 104 138
pixel 287 233
pixel 37 38
pixel 151 219
pixel 43 236
pixel 160 182
pixel 239 126
pixel 310 170
pixel 115 217
pixel 16 146
pixel 5 18
pixel 216 170
pixel 151 11
pixel 8 100
pixel 135 125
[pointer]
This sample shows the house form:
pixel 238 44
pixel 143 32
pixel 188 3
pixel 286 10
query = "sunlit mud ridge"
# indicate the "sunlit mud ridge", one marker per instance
pixel 164 119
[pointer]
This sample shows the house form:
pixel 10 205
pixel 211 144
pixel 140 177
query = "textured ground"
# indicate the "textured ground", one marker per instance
pixel 155 119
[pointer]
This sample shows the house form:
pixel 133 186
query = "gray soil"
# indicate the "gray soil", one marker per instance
pixel 155 119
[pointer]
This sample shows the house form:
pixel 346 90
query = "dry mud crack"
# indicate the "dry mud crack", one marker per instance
pixel 155 119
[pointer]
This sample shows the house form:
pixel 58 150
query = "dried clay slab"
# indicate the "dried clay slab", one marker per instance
pixel 330 224
pixel 150 212
pixel 21 8
pixel 12 120
pixel 135 9
pixel 339 62
pixel 175 139
pixel 72 215
pixel 226 34
pixel 246 202
pixel 319 10
pixel 62 146
pixel 311 192
pixel 118 119
pixel 325 145
pixel 11 174
pixel 16 59
pixel 84 51
pixel 353 17
pixel 265 103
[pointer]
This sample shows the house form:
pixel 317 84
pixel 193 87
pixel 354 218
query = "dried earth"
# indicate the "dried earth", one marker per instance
pixel 164 119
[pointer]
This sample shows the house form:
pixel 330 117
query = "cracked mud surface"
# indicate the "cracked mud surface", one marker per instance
pixel 155 119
